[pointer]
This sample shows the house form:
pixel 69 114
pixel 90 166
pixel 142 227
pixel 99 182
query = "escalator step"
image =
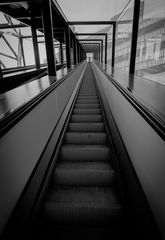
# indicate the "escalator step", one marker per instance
pixel 85 153
pixel 87 91
pixel 84 105
pixel 86 127
pixel 86 118
pixel 87 111
pixel 91 101
pixel 88 94
pixel 84 233
pixel 85 138
pixel 84 173
pixel 82 205
pixel 87 97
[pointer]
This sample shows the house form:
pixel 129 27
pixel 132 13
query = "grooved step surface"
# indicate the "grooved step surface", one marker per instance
pixel 89 105
pixel 83 187
pixel 86 97
pixel 85 138
pixel 82 205
pixel 87 92
pixel 86 127
pixel 86 118
pixel 85 153
pixel 88 111
pixel 84 233
pixel 84 173
pixel 91 101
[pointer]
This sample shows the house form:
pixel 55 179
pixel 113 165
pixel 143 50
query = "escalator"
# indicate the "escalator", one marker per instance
pixel 84 185
pixel 83 201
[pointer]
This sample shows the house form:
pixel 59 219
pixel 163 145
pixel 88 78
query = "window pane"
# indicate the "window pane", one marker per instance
pixel 123 38
pixel 150 57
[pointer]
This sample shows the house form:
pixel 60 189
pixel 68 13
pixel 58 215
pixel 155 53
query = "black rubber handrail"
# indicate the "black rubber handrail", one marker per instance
pixel 10 120
pixel 17 69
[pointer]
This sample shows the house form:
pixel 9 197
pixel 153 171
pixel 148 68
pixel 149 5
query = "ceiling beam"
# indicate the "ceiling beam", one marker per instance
pixel 6 26
pixel 6 2
pixel 90 40
pixel 90 34
pixel 91 23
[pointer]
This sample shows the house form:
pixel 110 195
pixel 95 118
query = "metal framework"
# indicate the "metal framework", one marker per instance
pixel 105 41
pixel 96 40
pixel 113 23
pixel 135 27
pixel 19 55
pixel 50 20
pixel 93 47
pixel 91 22
pixel 48 14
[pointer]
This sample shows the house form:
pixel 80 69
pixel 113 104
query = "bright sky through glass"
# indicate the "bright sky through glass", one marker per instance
pixel 91 10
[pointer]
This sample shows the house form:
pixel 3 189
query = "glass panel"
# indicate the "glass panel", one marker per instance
pixel 42 52
pixel 150 57
pixel 123 38
pixel 109 46
pixel 15 50
pixel 28 51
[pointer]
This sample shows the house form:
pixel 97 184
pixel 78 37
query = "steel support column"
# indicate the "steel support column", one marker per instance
pixel 113 45
pixel 22 51
pixel 1 75
pixel 106 48
pixel 68 47
pixel 102 51
pixel 35 47
pixel 135 27
pixel 48 32
pixel 78 52
pixel 61 53
pixel 98 52
pixel 74 50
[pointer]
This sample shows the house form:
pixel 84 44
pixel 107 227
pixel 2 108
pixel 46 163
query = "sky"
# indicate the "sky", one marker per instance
pixel 91 10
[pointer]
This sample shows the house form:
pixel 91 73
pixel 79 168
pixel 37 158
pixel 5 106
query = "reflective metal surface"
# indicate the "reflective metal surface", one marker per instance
pixel 15 98
pixel 150 93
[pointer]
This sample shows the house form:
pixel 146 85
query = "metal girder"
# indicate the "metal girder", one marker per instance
pixel 21 55
pixel 35 48
pixel 68 47
pixel 30 36
pixel 135 27
pixel 1 63
pixel 61 53
pixel 6 2
pixel 60 30
pixel 91 22
pixel 91 34
pixel 91 40
pixel 95 40
pixel 97 34
pixel 6 26
pixel 8 44
pixel 113 45
pixel 48 32
pixel 6 55
pixel 97 45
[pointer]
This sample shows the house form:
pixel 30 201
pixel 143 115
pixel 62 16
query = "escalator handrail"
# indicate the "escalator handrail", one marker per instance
pixel 152 119
pixel 13 118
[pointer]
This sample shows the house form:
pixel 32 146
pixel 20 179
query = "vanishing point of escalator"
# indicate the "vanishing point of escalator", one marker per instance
pixel 82 201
